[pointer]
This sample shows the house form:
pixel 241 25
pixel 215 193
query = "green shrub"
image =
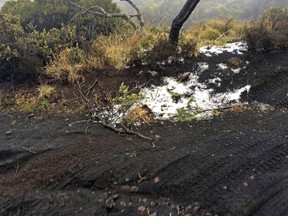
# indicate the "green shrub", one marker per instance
pixel 270 32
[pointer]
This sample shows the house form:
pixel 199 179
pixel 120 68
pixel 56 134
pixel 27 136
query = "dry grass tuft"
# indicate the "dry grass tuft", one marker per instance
pixel 45 91
pixel 139 115
pixel 68 65
pixel 216 31
pixel 26 101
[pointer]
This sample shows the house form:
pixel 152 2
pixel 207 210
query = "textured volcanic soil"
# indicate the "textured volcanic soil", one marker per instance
pixel 234 164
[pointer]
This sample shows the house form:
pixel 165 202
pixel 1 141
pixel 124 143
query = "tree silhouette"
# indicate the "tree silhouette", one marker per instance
pixel 181 18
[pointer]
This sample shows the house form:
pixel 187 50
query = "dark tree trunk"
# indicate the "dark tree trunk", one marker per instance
pixel 181 18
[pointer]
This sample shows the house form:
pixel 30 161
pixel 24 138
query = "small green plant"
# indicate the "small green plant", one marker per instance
pixel 125 97
pixel 43 105
pixel 184 115
pixel 174 95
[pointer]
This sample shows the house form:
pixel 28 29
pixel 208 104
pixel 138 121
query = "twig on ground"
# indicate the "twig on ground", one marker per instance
pixel 141 178
pixel 126 131
pixel 27 149
pixel 17 169
pixel 77 132
pixel 90 88
pixel 77 122
pixel 81 93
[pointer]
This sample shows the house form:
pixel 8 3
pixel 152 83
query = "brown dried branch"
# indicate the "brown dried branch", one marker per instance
pixel 125 130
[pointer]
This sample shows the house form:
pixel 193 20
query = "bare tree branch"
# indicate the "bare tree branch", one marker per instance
pixel 139 15
pixel 99 11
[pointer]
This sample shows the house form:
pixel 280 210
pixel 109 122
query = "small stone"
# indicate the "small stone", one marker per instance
pixel 188 208
pixel 109 204
pixel 153 214
pixel 245 184
pixel 142 209
pixel 156 180
pixel 115 196
pixel 30 115
pixel 8 132
pixel 252 177
pixel 195 209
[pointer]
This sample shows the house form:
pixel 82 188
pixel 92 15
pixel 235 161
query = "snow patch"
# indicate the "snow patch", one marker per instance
pixel 193 96
pixel 235 48
pixel 222 66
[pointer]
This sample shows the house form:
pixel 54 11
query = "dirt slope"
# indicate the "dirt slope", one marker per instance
pixel 235 164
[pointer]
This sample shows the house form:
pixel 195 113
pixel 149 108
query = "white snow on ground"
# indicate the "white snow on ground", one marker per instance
pixel 202 66
pixel 216 81
pixel 194 97
pixel 236 48
pixel 222 66
pixel 236 71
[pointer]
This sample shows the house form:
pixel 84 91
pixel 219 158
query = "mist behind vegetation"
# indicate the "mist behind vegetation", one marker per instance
pixel 162 12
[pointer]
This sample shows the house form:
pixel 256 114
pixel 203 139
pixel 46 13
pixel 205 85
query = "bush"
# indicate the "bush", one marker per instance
pixel 216 31
pixel 68 65
pixel 270 32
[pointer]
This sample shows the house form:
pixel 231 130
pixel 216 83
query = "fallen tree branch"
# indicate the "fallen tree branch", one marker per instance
pixel 90 88
pixel 125 130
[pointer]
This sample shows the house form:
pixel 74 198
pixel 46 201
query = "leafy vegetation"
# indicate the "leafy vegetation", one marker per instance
pixel 41 39
pixel 270 32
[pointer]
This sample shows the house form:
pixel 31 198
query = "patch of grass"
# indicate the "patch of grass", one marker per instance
pixel 216 31
pixel 43 105
pixel 67 65
pixel 184 115
pixel 45 91
pixel 209 34
pixel 175 96
pixel 26 101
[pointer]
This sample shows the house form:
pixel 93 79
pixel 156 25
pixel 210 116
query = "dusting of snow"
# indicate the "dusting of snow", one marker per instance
pixel 202 66
pixel 235 48
pixel 153 73
pixel 236 70
pixel 216 81
pixel 222 66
